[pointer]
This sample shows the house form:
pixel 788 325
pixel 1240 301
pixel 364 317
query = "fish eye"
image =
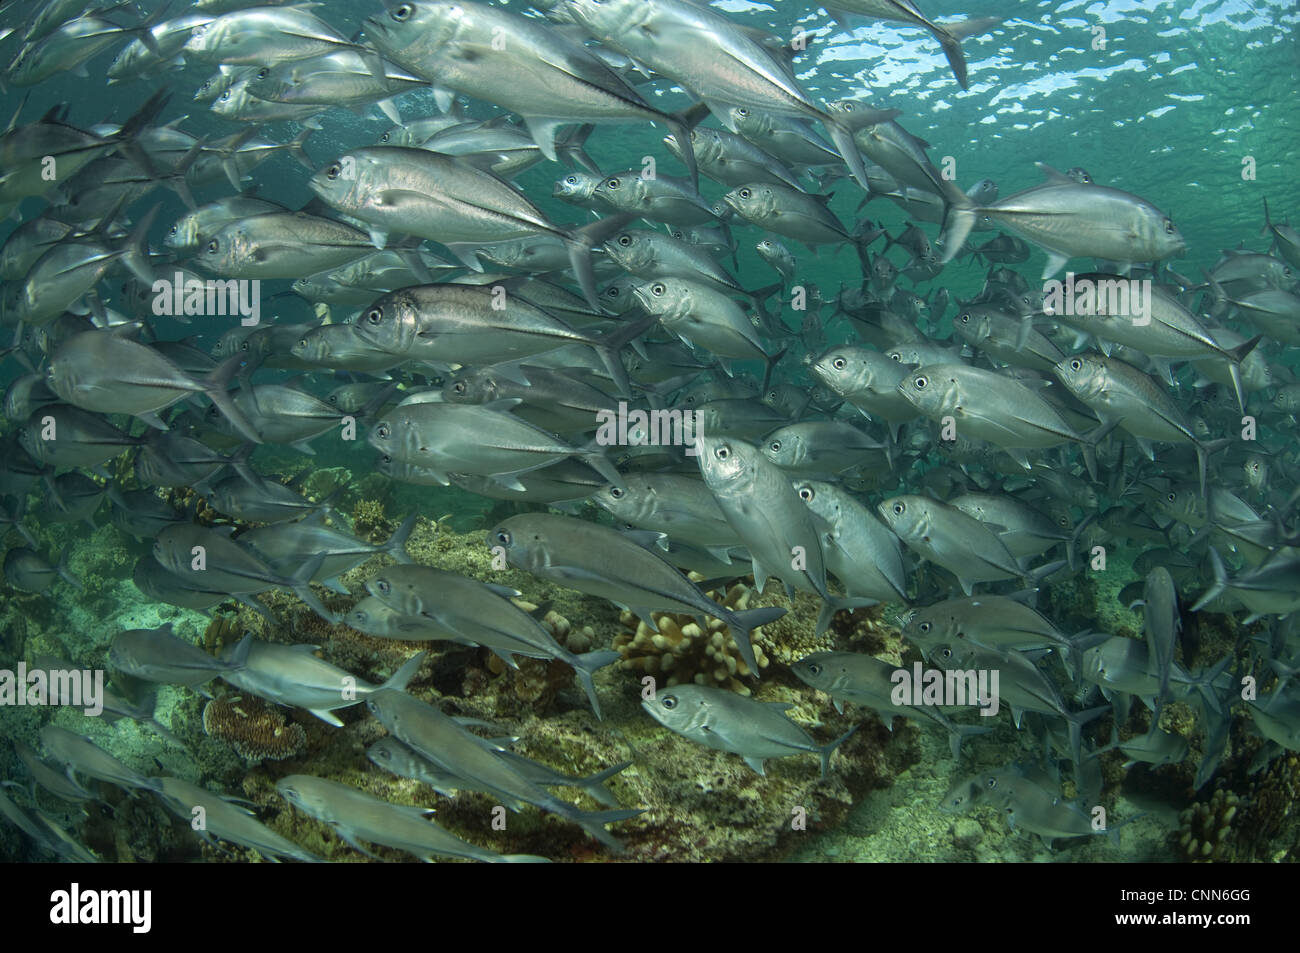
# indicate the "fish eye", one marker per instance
pixel 403 13
pixel 386 459
pixel 1171 497
pixel 991 783
pixel 807 494
pixel 1076 364
pixel 657 290
pixel 839 363
pixel 921 382
pixel 742 111
pixel 213 246
pixel 814 669
pixel 243 346
pixel 612 183
pixel 383 586
pixel 1169 227
pixel 383 431
pixel 225 97
pixel 571 179
pixel 775 446
pixel 722 452
pixel 173 231
pixel 965 318
pixel 385 137
pixel 375 315
pixel 669 701
pixel 302 342
pixel 263 72
pixel 616 492
pixel 458 387
pixel 625 240
pixel 899 509
pixel 925 626
pixel 503 537
pixel 745 193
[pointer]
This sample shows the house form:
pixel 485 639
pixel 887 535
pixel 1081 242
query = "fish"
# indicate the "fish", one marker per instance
pixel 721 719
pixel 601 561
pixel 949 35
pixel 429 195
pixel 871 682
pixel 158 655
pixel 207 558
pixel 109 373
pixel 293 676
pixel 224 820
pixel 356 816
pixel 438 738
pixel 477 614
pixel 1069 220
pixel 82 756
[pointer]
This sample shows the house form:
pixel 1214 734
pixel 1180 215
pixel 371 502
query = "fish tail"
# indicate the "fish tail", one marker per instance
pixel 585 666
pixel 1077 720
pixel 295 148
pixel 959 733
pixel 127 136
pixel 396 545
pixel 135 251
pixel 1219 585
pixel 214 386
pixel 65 573
pixel 744 622
pixel 300 581
pixel 579 243
pixel 402 677
pixel 842 136
pixel 957 224
pixel 950 36
pixel 608 345
pixel 680 125
pixel 239 657
pixel 827 750
pixel 594 785
pixel 594 824
pixel 833 604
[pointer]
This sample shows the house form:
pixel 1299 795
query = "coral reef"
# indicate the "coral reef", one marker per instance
pixel 254 729
pixel 368 520
pixel 1260 824
pixel 222 631
pixel 186 497
pixel 1208 832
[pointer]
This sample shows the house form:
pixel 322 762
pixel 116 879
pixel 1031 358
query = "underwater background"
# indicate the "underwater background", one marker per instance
pixel 1190 105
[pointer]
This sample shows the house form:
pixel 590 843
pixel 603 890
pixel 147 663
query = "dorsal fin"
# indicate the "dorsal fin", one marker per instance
pixel 1053 176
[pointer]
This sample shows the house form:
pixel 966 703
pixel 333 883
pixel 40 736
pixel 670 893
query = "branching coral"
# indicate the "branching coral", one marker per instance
pixel 1261 824
pixel 683 651
pixel 253 729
